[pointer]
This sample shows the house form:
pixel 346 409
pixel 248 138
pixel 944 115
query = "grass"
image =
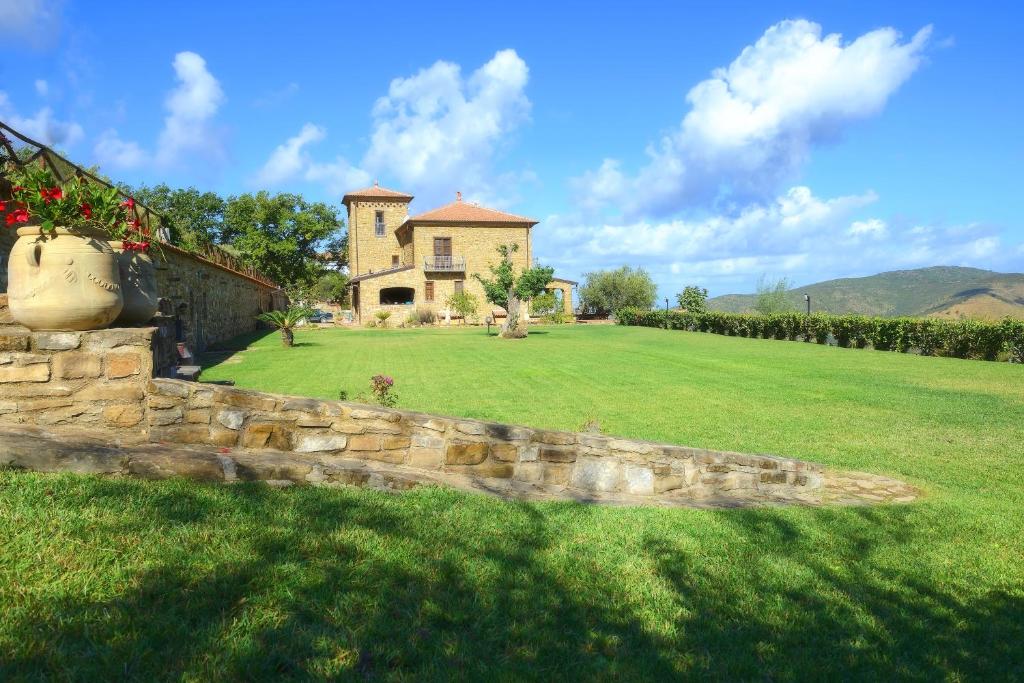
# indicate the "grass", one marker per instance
pixel 105 579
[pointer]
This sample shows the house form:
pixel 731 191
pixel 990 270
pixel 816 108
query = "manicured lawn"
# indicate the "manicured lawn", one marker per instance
pixel 126 579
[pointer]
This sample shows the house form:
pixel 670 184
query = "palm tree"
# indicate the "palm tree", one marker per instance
pixel 285 321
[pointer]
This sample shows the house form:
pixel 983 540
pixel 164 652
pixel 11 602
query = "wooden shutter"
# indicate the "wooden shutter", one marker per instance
pixel 429 290
pixel 458 286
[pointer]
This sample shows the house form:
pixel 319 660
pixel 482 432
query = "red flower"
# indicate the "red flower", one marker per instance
pixel 49 195
pixel 136 223
pixel 3 205
pixel 86 210
pixel 17 188
pixel 130 203
pixel 17 216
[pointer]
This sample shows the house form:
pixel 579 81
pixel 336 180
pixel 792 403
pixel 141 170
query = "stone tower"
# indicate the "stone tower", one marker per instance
pixel 373 216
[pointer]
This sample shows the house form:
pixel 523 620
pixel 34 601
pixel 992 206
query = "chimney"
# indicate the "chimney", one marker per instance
pixel 376 184
pixel 458 196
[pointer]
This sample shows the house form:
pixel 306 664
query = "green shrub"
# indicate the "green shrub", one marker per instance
pixel 959 338
pixel 422 316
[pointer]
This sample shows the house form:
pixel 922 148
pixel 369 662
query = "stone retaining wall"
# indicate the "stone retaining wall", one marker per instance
pixel 104 379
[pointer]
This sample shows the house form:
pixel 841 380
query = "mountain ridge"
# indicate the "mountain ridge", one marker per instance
pixel 937 291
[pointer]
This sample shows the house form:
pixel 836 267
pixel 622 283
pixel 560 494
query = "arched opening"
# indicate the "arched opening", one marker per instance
pixel 397 296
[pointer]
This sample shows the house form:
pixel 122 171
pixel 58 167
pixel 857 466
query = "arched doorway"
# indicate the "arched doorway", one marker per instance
pixel 397 296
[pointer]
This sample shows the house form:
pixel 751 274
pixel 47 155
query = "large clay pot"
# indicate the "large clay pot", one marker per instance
pixel 138 286
pixel 64 280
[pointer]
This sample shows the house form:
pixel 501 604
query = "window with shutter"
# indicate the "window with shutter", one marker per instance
pixel 429 291
pixel 458 286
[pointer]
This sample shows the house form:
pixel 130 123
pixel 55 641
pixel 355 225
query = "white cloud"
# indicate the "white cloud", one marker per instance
pixel 191 106
pixel 114 151
pixel 752 124
pixel 873 228
pixel 42 87
pixel 437 131
pixel 43 127
pixel 188 129
pixel 797 235
pixel 290 158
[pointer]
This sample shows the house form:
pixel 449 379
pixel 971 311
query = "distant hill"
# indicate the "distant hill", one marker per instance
pixel 941 291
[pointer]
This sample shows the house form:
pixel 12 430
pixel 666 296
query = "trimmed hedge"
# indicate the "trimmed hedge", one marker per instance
pixel 927 336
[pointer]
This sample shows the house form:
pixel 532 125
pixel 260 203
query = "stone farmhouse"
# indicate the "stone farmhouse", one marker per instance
pixel 400 263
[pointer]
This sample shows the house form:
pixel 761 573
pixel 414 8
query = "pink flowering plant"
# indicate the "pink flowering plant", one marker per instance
pixel 381 386
pixel 38 197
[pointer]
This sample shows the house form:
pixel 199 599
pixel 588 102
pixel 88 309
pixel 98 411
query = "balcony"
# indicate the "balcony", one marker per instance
pixel 444 264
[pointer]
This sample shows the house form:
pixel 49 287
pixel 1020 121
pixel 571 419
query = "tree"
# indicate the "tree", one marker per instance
pixel 332 287
pixel 286 321
pixel 544 304
pixel 193 219
pixel 281 235
pixel 463 303
pixel 772 296
pixel 508 291
pixel 607 291
pixel 694 299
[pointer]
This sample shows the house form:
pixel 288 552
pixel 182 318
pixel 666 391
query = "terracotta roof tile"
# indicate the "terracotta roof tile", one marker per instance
pixel 376 192
pixel 468 213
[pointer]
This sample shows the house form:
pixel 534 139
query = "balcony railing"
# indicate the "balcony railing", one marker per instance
pixel 444 264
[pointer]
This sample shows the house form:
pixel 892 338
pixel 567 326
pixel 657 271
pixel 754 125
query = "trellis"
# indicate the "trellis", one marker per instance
pixel 64 169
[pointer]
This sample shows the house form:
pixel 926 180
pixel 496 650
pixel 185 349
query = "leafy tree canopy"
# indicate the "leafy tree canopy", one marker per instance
pixel 772 297
pixel 193 219
pixel 607 291
pixel 507 290
pixel 694 299
pixel 332 287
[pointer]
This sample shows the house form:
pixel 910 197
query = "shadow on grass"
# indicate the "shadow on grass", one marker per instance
pixel 261 584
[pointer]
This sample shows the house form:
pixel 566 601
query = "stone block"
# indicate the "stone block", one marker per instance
pixel 313 422
pixel 201 398
pixel 110 391
pixel 557 454
pixel 7 407
pixel 57 341
pixel 184 434
pixel 557 473
pixel 123 365
pixel 244 399
pixel 466 453
pixel 390 443
pixel 773 477
pixel 14 339
pixel 531 472
pixel 625 446
pixel 370 414
pixel 77 365
pixel 637 479
pixel 364 442
pixel 555 438
pixel 315 443
pixel 670 482
pixel 163 402
pixel 597 474
pixel 306 405
pixel 504 452
pixel 595 442
pixel 198 466
pixel 347 427
pixel 426 458
pixel 266 435
pixel 496 470
pixel 433 424
pixel 382 426
pixel 395 457
pixel 167 416
pixel 427 441
pixel 530 453
pixel 220 436
pixel 231 418
pixel 718 467
pixel 39 372
pixel 24 359
pixel 81 413
pixel 198 416
pixel 122 414
pixel 119 336
pixel 474 428
pixel 30 405
pixel 169 387
pixel 503 432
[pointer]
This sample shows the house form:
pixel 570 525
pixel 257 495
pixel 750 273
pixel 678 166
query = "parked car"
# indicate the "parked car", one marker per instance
pixel 321 317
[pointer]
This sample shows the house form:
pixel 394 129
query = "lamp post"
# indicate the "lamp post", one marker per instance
pixel 666 313
pixel 807 298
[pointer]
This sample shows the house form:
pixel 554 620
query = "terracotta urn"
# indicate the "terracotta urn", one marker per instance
pixel 138 286
pixel 63 280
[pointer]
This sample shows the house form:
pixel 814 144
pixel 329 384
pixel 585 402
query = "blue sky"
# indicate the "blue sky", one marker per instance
pixel 710 143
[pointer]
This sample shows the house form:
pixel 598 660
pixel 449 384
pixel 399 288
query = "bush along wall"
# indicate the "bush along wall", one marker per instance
pixel 926 336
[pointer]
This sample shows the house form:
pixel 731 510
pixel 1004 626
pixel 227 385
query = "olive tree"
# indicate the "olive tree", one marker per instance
pixel 504 288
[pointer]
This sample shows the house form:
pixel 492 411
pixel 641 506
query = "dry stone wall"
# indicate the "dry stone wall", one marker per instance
pixel 104 380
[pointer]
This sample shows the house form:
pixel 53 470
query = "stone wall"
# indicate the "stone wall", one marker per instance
pixel 212 303
pixel 103 380
pixel 93 379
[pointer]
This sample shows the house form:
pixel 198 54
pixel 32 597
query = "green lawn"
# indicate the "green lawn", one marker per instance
pixel 173 580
